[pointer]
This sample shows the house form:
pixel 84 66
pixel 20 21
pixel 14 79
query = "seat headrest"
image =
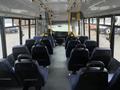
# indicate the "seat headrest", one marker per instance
pixel 96 64
pixel 30 41
pixel 83 38
pixel 80 46
pixel 37 38
pixel 24 56
pixel 90 43
pixel 20 49
pixel 102 54
pixel 74 42
pixel 99 52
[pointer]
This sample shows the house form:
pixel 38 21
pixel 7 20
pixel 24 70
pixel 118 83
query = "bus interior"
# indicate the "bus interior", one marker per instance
pixel 59 44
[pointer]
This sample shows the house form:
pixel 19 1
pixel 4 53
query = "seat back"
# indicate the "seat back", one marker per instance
pixel 71 45
pixel 40 53
pixel 29 43
pixel 78 58
pixel 83 39
pixel 102 54
pixel 7 75
pixel 114 84
pixel 20 49
pixel 92 78
pixel 28 72
pixel 37 38
pixel 90 45
pixel 69 39
pixel 47 43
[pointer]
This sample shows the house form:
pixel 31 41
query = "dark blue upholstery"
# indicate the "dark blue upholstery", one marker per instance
pixel 37 38
pixel 114 84
pixel 102 54
pixel 71 45
pixel 47 43
pixel 29 73
pixel 69 39
pixel 90 78
pixel 7 75
pixel 78 58
pixel 90 45
pixel 29 43
pixel 20 49
pixel 11 60
pixel 83 39
pixel 40 53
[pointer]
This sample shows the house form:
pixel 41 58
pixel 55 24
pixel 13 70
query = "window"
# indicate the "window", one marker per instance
pixel 107 21
pixel 104 36
pixel 86 28
pixel 0 48
pixel 26 22
pixel 117 20
pixel 8 22
pixel 23 22
pixel 32 21
pixel 32 31
pixel 101 21
pixel 91 20
pixel 25 33
pixel 12 38
pixel 117 44
pixel 93 32
pixel 16 22
pixel 94 21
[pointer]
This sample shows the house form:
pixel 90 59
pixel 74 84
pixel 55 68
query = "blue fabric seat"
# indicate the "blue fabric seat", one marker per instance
pixel 90 45
pixel 114 83
pixel 19 49
pixel 78 59
pixel 40 54
pixel 8 77
pixel 71 45
pixel 30 73
pixel 90 78
pixel 48 44
pixel 101 54
pixel 69 39
pixel 83 39
pixel 29 43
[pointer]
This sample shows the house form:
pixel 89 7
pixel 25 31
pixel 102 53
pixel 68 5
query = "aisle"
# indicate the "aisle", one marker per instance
pixel 57 79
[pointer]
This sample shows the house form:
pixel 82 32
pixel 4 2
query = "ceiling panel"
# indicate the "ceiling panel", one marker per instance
pixel 99 7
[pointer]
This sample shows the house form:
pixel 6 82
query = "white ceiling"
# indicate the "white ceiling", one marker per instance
pixel 100 7
pixel 20 8
pixel 59 7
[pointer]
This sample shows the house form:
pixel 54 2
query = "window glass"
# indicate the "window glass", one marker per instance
pixel 8 22
pixel 0 47
pixel 32 21
pixel 16 22
pixel 12 38
pixel 117 20
pixel 86 28
pixel 94 20
pixel 93 32
pixel 32 31
pixel 23 22
pixel 117 44
pixel 104 36
pixel 26 22
pixel 101 21
pixel 108 21
pixel 91 20
pixel 25 33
